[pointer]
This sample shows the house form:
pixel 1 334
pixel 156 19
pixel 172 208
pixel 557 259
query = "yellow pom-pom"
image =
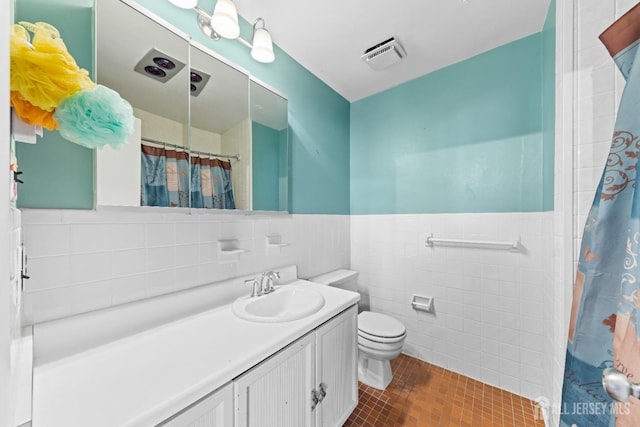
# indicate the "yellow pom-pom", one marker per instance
pixel 43 72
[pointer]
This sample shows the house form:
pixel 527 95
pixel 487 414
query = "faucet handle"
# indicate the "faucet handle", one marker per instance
pixel 256 291
pixel 269 277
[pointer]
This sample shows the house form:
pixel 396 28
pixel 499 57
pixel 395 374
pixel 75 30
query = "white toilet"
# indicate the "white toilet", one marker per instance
pixel 380 337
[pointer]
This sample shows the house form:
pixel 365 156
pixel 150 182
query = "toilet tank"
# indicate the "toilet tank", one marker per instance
pixel 344 279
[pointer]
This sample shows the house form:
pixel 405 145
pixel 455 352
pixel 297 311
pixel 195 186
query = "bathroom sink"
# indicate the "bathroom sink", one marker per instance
pixel 286 303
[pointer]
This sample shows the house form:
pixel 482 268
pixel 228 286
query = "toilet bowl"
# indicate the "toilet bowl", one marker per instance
pixel 380 336
pixel 380 340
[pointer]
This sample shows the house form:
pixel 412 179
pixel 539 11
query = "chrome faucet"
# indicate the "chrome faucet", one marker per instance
pixel 266 284
pixel 256 290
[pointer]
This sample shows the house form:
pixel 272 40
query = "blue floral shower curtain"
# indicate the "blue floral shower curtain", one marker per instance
pixel 165 177
pixel 604 329
pixel 211 184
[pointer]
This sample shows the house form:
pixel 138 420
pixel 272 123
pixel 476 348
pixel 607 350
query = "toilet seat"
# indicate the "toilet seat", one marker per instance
pixel 380 327
pixel 379 339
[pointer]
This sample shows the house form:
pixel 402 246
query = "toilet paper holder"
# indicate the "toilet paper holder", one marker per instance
pixel 422 303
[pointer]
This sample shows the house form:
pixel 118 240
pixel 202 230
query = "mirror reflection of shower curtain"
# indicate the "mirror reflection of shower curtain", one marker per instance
pixel 211 183
pixel 604 329
pixel 164 177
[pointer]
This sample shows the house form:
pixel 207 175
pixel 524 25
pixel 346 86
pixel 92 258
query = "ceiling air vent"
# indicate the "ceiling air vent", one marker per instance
pixel 158 65
pixel 384 54
pixel 198 80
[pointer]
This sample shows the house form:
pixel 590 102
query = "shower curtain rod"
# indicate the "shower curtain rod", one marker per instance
pixel 166 144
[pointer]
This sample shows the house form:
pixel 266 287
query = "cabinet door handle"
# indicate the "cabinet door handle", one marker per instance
pixel 323 392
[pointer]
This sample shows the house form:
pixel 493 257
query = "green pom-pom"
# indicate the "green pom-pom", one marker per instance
pixel 95 117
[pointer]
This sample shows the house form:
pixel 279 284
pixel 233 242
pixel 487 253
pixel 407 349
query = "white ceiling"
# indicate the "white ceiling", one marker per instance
pixel 328 37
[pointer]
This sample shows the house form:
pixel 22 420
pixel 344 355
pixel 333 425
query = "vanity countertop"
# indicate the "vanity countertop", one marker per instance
pixel 142 379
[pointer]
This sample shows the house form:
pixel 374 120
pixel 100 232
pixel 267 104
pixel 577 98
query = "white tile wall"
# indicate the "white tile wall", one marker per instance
pixel 598 90
pixel 85 260
pixel 237 140
pixel 161 128
pixel 490 305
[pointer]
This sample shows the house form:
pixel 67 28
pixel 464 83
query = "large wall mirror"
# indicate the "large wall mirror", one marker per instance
pixel 219 125
pixel 207 135
pixel 148 65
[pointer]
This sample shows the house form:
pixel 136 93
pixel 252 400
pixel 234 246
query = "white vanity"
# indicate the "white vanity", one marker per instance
pixel 187 360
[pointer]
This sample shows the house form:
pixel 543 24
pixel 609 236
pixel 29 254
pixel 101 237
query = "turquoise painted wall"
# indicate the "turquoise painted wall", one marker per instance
pixel 266 170
pixel 283 170
pixel 473 137
pixel 319 118
pixel 59 173
pixel 466 138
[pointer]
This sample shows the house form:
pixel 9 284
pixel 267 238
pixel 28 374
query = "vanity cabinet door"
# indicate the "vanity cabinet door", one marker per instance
pixel 215 410
pixel 278 392
pixel 337 369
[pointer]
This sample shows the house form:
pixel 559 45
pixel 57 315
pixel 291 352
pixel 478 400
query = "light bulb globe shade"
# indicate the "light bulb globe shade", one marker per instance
pixel 225 19
pixel 262 50
pixel 185 4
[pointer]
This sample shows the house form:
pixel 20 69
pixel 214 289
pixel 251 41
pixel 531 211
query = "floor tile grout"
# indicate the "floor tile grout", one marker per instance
pixel 425 395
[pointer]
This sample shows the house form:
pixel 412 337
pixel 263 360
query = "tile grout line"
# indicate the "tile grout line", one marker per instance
pixel 422 394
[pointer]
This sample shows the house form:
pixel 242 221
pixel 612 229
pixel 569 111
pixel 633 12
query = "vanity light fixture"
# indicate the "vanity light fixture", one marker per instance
pixel 262 49
pixel 224 23
pixel 225 19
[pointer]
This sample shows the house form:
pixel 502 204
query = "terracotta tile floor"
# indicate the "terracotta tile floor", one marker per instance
pixel 424 395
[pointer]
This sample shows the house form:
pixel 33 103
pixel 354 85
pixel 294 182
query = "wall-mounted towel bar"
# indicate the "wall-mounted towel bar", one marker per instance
pixel 514 246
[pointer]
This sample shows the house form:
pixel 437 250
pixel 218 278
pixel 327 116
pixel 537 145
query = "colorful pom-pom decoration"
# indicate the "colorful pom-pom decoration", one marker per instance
pixel 43 71
pixel 95 117
pixel 32 115
pixel 48 89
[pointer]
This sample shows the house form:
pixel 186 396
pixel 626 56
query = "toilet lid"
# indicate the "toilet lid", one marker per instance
pixel 380 325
